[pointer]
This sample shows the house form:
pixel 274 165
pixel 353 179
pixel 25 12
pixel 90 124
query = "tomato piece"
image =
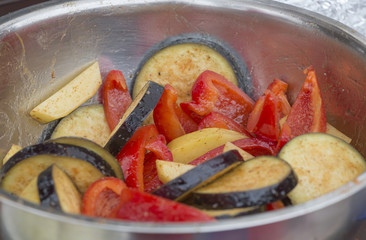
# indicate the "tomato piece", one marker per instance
pixel 116 97
pixel 169 118
pixel 211 92
pixel 254 146
pixel 102 197
pixel 217 120
pixel 145 207
pixel 307 114
pixel 132 155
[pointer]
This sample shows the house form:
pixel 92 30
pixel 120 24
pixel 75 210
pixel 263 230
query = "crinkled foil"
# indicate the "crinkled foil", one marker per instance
pixel 348 12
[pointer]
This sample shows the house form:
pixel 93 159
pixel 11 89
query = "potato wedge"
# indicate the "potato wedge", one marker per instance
pixel 167 170
pixel 190 146
pixel 244 154
pixel 71 96
pixel 13 150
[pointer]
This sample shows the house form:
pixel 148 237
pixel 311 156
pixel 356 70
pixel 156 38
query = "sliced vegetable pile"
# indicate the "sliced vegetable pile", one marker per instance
pixel 219 154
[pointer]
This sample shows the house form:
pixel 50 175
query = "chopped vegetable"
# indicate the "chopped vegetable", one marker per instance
pixel 71 96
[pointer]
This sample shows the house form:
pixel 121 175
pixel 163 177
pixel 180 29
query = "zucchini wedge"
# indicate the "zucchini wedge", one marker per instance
pixel 322 163
pixel 255 182
pixel 87 121
pixel 92 146
pixel 136 113
pixel 83 165
pixel 57 191
pixel 180 187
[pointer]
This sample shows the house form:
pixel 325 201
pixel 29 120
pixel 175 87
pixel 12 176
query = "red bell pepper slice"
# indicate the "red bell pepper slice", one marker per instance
pixel 158 150
pixel 254 146
pixel 279 88
pixel 169 118
pixel 132 155
pixel 307 114
pixel 116 97
pixel 102 197
pixel 217 120
pixel 264 120
pixel 275 205
pixel 145 207
pixel 211 92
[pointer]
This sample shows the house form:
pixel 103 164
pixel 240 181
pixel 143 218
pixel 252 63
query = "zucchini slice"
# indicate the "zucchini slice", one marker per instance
pixel 255 182
pixel 180 187
pixel 92 146
pixel 167 170
pixel 83 165
pixel 87 121
pixel 136 113
pixel 322 163
pixel 57 191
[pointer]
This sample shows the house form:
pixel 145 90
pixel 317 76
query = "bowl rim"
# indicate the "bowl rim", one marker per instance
pixel 54 8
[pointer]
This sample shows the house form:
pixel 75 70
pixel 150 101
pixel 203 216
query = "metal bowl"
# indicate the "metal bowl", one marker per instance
pixel 43 46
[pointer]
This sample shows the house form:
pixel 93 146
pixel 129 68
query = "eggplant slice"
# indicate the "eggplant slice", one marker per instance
pixel 136 113
pixel 180 187
pixel 322 163
pixel 57 191
pixel 92 146
pixel 255 182
pixel 184 57
pixel 87 122
pixel 83 165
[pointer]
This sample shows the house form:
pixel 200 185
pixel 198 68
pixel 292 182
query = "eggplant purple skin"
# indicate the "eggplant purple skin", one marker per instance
pixel 135 119
pixel 256 197
pixel 46 189
pixel 194 177
pixel 58 149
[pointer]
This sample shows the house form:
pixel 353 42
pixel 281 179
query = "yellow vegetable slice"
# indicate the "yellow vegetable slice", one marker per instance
pixel 244 154
pixel 13 150
pixel 167 170
pixel 322 163
pixel 190 146
pixel 71 96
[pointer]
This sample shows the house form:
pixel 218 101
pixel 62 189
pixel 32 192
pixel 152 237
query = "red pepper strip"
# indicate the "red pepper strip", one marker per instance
pixel 102 197
pixel 217 120
pixel 307 114
pixel 279 88
pixel 169 118
pixel 254 146
pixel 264 120
pixel 211 92
pixel 131 157
pixel 158 150
pixel 145 207
pixel 116 97
pixel 275 205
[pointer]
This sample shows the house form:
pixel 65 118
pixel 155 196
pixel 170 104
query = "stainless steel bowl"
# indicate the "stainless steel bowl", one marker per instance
pixel 43 46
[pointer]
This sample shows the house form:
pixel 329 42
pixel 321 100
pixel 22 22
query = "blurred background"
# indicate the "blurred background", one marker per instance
pixel 7 6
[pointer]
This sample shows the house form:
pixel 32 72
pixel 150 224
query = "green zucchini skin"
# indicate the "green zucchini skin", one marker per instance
pixel 247 198
pixel 46 189
pixel 58 149
pixel 143 108
pixel 236 61
pixel 92 146
pixel 180 187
